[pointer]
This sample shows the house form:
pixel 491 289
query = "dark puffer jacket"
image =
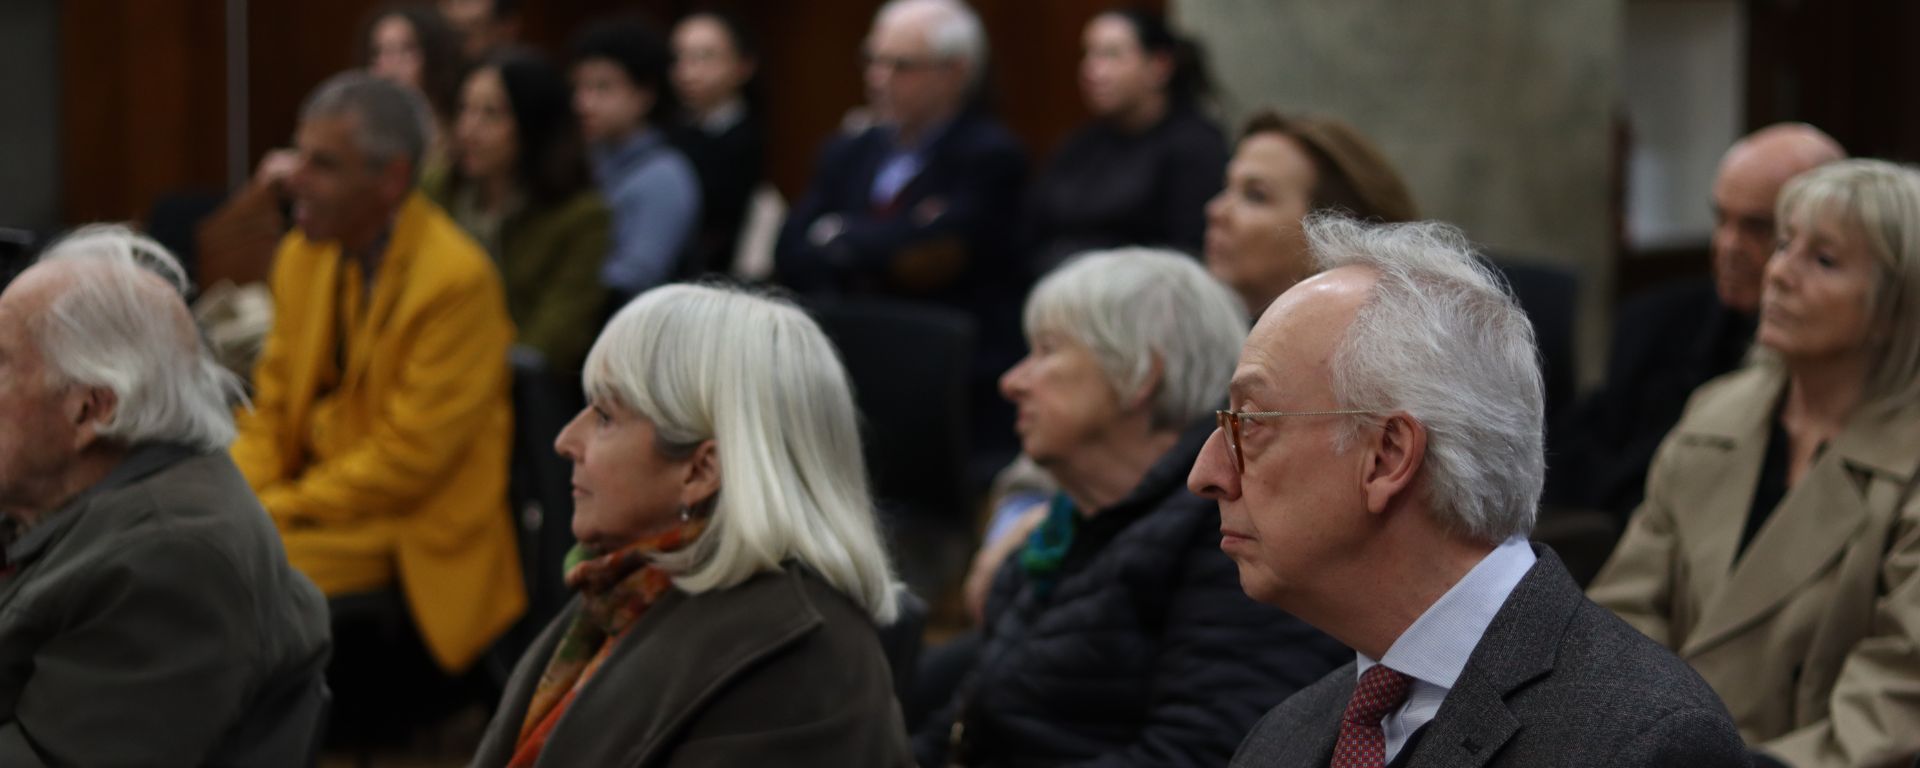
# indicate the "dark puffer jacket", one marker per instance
pixel 1144 652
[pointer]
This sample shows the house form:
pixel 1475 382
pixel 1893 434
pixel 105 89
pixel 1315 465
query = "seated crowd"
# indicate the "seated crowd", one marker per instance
pixel 1267 452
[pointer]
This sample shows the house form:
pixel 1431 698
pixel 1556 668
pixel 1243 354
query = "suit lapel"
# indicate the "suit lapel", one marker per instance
pixel 1520 646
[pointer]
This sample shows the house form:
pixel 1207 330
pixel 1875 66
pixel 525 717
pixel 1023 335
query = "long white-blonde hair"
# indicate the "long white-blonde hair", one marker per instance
pixel 756 376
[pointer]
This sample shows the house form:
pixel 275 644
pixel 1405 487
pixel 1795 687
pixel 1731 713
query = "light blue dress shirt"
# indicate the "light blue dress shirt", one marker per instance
pixel 1436 647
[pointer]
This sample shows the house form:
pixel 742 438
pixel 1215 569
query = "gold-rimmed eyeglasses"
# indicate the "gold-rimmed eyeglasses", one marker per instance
pixel 1229 422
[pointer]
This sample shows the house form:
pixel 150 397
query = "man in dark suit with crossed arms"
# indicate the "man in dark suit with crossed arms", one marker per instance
pixel 1377 477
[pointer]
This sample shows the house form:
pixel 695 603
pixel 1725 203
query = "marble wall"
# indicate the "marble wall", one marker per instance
pixel 1498 112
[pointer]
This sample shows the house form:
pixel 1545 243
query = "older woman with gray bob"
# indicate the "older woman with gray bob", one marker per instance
pixel 1120 633
pixel 1778 548
pixel 730 571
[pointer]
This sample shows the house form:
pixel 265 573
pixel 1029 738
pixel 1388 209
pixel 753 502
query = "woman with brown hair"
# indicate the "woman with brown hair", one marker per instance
pixel 1285 167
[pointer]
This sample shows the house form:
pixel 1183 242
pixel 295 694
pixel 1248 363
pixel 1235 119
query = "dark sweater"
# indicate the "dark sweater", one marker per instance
pixel 1107 188
pixel 1144 651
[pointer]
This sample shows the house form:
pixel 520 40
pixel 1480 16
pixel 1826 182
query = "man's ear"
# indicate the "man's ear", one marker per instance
pixel 1393 454
pixel 702 478
pixel 92 409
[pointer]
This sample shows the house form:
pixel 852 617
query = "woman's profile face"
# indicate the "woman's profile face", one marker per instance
pixel 395 52
pixel 1254 242
pixel 1117 75
pixel 624 488
pixel 1817 302
pixel 1064 400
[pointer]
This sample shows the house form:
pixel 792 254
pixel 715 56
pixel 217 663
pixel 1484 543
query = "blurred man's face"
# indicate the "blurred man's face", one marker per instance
pixel 1743 228
pixel 609 104
pixel 479 31
pixel 40 434
pixel 338 194
pixel 908 86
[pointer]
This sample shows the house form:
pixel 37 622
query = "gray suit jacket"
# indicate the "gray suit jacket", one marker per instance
pixel 154 621
pixel 1556 680
pixel 781 670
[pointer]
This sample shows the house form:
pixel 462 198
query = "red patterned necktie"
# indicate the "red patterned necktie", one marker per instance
pixel 1362 742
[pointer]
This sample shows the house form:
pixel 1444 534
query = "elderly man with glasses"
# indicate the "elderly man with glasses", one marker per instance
pixel 1377 476
pixel 919 206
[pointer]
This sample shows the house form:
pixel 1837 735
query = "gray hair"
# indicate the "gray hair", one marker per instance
pixel 1138 308
pixel 756 376
pixel 113 327
pixel 1878 203
pixel 1442 339
pixel 953 29
pixel 394 122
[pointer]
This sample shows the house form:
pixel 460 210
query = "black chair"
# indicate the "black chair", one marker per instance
pixel 908 364
pixel 541 493
pixel 901 641
pixel 1550 297
pixel 174 220
pixel 17 250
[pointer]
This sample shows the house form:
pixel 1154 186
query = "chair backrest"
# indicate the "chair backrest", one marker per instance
pixel 1550 297
pixel 17 250
pixel 541 487
pixel 901 641
pixel 908 365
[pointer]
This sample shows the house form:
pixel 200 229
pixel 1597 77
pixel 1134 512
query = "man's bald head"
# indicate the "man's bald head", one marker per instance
pixel 1751 175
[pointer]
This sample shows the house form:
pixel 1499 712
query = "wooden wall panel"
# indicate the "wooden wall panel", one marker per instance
pixel 144 113
pixel 142 104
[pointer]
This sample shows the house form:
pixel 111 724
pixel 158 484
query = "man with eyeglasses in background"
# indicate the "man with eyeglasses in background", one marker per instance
pixel 919 206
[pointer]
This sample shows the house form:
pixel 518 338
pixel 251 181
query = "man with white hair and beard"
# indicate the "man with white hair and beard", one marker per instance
pixel 148 614
pixel 1378 475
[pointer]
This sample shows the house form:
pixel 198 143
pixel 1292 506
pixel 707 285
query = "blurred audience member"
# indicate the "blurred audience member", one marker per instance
pixel 730 571
pixel 519 185
pixel 1778 549
pixel 714 59
pixel 921 206
pixel 1120 634
pixel 1284 168
pixel 1142 171
pixel 483 25
pixel 413 46
pixel 1378 477
pixel 620 92
pixel 1669 341
pixel 148 615
pixel 380 430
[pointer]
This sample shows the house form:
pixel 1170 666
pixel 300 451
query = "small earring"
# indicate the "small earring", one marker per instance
pixel 686 513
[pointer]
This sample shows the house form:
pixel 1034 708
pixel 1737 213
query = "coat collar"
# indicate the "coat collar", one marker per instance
pixel 143 460
pixel 1814 523
pixel 679 662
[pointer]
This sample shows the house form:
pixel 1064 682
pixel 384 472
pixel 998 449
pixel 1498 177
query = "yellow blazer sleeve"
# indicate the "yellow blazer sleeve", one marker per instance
pixel 1874 709
pixel 451 388
pixel 256 446
pixel 1638 580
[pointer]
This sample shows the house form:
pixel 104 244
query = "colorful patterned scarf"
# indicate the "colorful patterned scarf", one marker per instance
pixel 615 590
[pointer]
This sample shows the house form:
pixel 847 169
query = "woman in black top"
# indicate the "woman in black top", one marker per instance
pixel 713 61
pixel 1141 172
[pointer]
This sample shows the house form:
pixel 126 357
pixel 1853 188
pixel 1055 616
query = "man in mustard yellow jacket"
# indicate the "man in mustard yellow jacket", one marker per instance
pixel 381 424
